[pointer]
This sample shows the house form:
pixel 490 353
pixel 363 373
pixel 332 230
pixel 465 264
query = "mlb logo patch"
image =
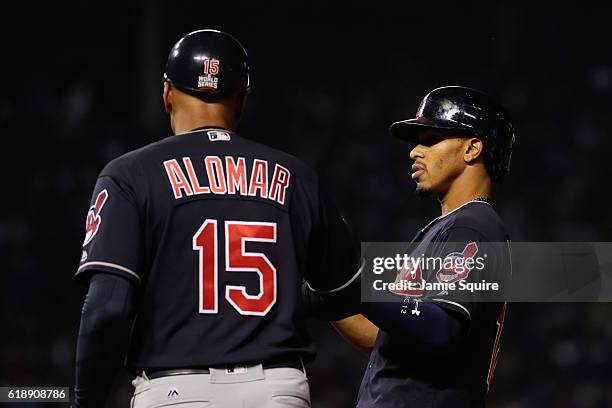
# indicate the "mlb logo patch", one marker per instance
pixel 217 135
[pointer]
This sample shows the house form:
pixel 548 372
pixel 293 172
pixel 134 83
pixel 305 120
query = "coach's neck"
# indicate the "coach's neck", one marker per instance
pixel 188 112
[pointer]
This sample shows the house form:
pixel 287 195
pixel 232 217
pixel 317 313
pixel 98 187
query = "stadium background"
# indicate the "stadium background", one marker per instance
pixel 81 85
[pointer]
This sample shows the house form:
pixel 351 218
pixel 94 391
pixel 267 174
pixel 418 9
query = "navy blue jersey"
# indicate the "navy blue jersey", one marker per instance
pixel 404 373
pixel 219 232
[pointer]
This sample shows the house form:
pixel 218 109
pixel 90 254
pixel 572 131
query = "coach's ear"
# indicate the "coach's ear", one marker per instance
pixel 166 97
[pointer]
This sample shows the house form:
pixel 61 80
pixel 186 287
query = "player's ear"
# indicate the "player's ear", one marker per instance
pixel 166 96
pixel 243 100
pixel 236 103
pixel 473 149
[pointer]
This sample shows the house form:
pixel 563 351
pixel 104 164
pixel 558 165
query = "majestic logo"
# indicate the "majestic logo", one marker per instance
pixel 457 265
pixel 92 224
pixel 208 80
pixel 217 135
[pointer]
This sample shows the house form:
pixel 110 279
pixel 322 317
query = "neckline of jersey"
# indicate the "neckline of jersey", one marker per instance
pixel 452 211
pixel 463 205
pixel 204 128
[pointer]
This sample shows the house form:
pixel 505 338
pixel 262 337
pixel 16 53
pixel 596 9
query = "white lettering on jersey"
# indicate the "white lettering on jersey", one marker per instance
pixel 228 175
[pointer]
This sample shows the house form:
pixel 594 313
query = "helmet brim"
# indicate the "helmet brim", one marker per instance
pixel 409 129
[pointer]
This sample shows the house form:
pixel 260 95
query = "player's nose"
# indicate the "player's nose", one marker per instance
pixel 416 152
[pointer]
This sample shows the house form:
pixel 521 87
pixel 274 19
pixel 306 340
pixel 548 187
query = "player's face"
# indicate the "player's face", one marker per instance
pixel 438 160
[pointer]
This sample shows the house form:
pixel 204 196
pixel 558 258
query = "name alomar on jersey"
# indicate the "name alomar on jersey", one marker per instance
pixel 228 175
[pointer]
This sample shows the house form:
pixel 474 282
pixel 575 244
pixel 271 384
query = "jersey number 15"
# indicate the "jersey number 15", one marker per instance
pixel 237 259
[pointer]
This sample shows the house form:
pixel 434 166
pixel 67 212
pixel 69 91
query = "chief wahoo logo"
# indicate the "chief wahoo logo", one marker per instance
pixel 92 224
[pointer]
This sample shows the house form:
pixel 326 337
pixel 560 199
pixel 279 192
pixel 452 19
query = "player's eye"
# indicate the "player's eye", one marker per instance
pixel 430 139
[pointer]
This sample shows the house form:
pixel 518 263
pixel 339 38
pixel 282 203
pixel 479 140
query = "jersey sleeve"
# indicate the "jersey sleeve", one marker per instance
pixel 331 258
pixel 113 240
pixel 473 266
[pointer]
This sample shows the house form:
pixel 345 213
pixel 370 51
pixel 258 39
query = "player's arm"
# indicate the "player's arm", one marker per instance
pixel 333 264
pixel 341 309
pixel 335 304
pixel 442 322
pixel 434 326
pixel 111 266
pixel 331 288
pixel 358 331
pixel 106 320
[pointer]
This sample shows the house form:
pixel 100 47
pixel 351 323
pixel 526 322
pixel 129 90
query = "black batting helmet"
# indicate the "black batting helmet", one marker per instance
pixel 208 64
pixel 470 112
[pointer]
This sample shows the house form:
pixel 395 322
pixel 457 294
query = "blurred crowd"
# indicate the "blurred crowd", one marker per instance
pixel 327 93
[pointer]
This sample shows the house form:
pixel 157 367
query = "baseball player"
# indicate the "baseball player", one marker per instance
pixel 442 351
pixel 195 251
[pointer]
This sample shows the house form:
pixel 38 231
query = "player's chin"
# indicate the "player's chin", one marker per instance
pixel 422 191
